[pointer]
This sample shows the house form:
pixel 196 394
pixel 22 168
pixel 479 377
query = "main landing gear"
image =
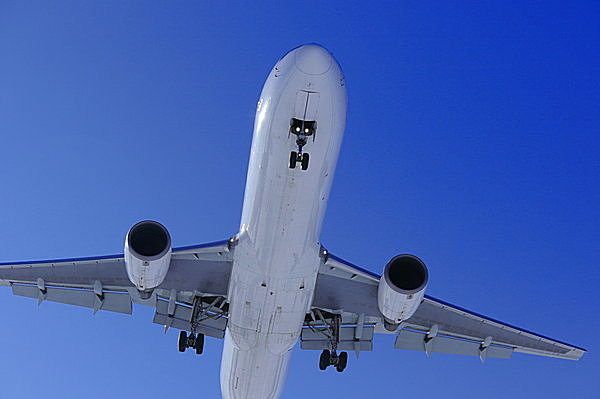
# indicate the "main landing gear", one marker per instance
pixel 328 358
pixel 302 129
pixel 194 340
pixel 191 341
pixel 331 358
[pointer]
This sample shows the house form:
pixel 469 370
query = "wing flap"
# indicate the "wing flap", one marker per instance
pixel 208 322
pixel 418 341
pixel 111 301
pixel 357 346
pixel 351 338
pixel 457 322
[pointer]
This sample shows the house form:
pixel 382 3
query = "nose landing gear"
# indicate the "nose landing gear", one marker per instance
pixel 296 157
pixel 302 130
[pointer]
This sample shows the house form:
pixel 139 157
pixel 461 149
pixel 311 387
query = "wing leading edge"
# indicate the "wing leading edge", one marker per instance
pixel 436 326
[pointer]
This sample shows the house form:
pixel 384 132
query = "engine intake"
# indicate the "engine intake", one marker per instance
pixel 401 288
pixel 148 239
pixel 147 255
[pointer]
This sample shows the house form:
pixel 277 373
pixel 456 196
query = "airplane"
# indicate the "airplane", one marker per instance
pixel 273 283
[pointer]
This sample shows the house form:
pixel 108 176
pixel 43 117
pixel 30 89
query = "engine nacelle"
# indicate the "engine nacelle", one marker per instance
pixel 147 255
pixel 401 289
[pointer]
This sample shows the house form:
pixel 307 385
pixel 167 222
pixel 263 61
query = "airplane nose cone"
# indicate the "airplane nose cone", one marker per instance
pixel 313 59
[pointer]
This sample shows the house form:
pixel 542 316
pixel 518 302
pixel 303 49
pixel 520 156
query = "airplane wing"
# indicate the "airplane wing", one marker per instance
pixel 193 291
pixel 349 293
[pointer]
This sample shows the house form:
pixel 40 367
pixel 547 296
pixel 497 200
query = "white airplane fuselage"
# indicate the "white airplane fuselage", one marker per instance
pixel 276 258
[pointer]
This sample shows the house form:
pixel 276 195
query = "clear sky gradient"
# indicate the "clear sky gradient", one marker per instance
pixel 472 141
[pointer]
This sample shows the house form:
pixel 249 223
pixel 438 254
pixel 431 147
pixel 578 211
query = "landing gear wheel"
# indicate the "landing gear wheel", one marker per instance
pixel 324 360
pixel 305 158
pixel 342 362
pixel 182 341
pixel 199 344
pixel 293 159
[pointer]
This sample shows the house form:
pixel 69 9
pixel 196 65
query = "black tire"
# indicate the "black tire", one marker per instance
pixel 342 362
pixel 199 345
pixel 324 359
pixel 293 159
pixel 305 158
pixel 182 341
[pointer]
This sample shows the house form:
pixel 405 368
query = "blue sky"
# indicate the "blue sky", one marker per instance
pixel 472 141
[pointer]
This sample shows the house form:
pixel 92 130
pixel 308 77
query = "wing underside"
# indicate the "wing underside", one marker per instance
pixel 193 297
pixel 193 293
pixel 436 326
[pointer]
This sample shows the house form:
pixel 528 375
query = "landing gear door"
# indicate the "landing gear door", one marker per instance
pixel 307 104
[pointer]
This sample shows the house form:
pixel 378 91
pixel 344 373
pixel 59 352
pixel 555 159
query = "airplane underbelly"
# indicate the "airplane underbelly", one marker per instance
pixel 253 372
pixel 276 254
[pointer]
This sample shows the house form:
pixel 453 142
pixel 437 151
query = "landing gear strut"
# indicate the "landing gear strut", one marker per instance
pixel 194 340
pixel 302 129
pixel 332 358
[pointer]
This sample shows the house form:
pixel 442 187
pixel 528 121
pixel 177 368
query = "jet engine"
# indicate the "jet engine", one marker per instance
pixel 147 255
pixel 401 289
